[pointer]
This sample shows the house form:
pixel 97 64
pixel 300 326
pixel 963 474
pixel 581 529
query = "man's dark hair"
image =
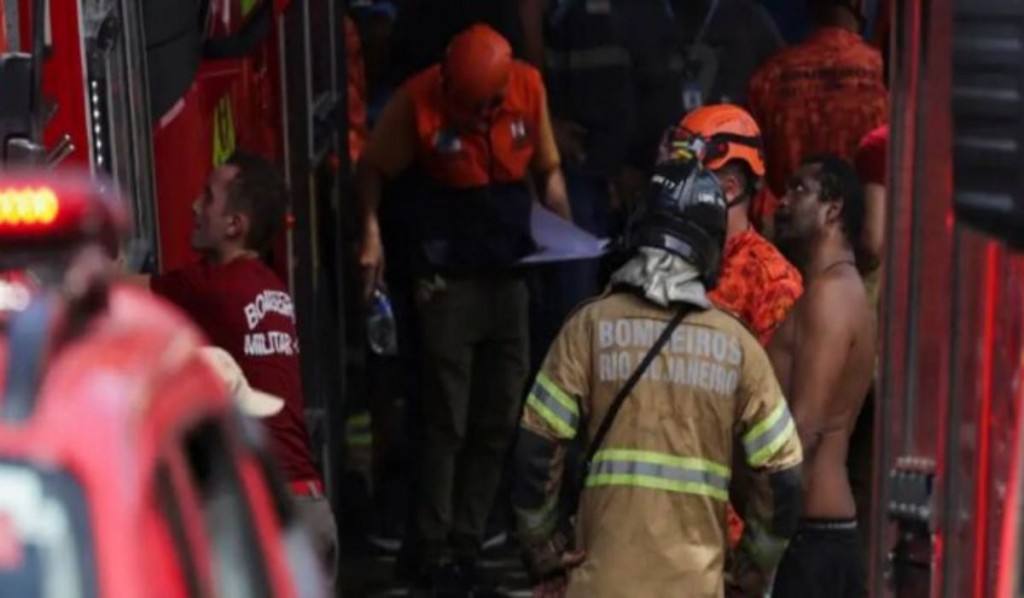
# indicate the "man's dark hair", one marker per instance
pixel 826 11
pixel 258 191
pixel 840 183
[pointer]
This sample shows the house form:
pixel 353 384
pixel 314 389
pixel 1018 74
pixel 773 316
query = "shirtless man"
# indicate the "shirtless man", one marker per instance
pixel 824 356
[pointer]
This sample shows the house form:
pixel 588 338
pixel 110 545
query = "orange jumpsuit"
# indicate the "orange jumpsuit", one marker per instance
pixel 759 286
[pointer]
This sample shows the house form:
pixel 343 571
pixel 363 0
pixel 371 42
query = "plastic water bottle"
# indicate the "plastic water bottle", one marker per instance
pixel 380 325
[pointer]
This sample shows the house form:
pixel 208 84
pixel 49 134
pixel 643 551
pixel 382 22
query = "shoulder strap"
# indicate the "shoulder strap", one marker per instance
pixel 620 398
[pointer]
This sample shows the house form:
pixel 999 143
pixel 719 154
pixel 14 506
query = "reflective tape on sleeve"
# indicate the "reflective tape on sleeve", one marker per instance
pixel 538 523
pixel 768 436
pixel 554 406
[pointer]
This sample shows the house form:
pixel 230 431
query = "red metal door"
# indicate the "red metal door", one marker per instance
pixel 953 323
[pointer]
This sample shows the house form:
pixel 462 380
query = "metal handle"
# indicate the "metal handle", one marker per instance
pixel 64 148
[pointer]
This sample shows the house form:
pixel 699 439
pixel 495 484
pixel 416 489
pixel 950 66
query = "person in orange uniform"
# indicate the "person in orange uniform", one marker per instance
pixel 757 284
pixel 475 128
pixel 820 96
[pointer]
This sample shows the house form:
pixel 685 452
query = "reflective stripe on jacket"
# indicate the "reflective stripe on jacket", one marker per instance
pixel 652 515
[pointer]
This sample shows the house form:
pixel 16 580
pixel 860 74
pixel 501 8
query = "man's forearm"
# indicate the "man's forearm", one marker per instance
pixel 810 439
pixel 771 518
pixel 556 197
pixel 873 239
pixel 535 495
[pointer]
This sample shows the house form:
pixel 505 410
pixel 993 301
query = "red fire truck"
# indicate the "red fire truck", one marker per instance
pixel 124 466
pixel 155 93
pixel 948 441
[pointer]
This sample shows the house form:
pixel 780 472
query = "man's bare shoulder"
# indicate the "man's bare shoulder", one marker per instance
pixel 833 299
pixel 725 321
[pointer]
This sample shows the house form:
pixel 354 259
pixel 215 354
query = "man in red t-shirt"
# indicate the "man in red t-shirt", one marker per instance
pixel 243 307
pixel 820 96
pixel 871 161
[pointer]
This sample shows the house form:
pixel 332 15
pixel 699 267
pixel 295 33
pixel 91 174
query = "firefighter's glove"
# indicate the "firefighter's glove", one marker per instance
pixel 750 565
pixel 549 558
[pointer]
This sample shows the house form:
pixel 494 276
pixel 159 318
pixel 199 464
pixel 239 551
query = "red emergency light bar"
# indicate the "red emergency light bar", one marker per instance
pixel 55 209
pixel 28 207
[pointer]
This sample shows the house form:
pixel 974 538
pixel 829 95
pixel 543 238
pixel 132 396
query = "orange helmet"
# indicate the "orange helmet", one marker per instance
pixel 727 133
pixel 476 67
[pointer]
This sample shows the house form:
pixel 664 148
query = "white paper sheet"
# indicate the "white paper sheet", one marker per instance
pixel 559 240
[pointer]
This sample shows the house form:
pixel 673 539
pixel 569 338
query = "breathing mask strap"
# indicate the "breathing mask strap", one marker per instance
pixel 740 199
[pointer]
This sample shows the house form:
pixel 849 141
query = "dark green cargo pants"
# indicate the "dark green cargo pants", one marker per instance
pixel 475 359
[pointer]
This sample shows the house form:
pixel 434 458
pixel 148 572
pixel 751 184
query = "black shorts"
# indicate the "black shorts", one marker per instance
pixel 823 559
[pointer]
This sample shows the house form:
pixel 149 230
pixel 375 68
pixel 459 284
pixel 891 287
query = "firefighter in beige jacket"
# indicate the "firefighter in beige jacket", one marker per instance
pixel 652 514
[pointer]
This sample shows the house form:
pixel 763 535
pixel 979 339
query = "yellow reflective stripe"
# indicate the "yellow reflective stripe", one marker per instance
pixel 762 456
pixel 552 389
pixel 563 429
pixel 538 523
pixel 659 471
pixel 614 454
pixel 358 430
pixel 656 483
pixel 768 436
pixel 359 419
pixel 360 440
pixel 758 430
pixel 555 406
pixel 224 141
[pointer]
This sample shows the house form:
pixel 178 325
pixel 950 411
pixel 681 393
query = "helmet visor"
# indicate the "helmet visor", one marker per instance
pixel 680 143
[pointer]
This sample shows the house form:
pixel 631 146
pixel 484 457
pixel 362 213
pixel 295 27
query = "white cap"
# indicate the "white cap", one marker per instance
pixel 251 401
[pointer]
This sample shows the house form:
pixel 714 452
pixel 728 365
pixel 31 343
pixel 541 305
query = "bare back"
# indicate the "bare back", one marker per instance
pixel 824 356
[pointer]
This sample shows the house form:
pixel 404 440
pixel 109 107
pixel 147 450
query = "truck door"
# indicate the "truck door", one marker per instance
pixel 92 111
pixel 118 111
pixel 953 316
